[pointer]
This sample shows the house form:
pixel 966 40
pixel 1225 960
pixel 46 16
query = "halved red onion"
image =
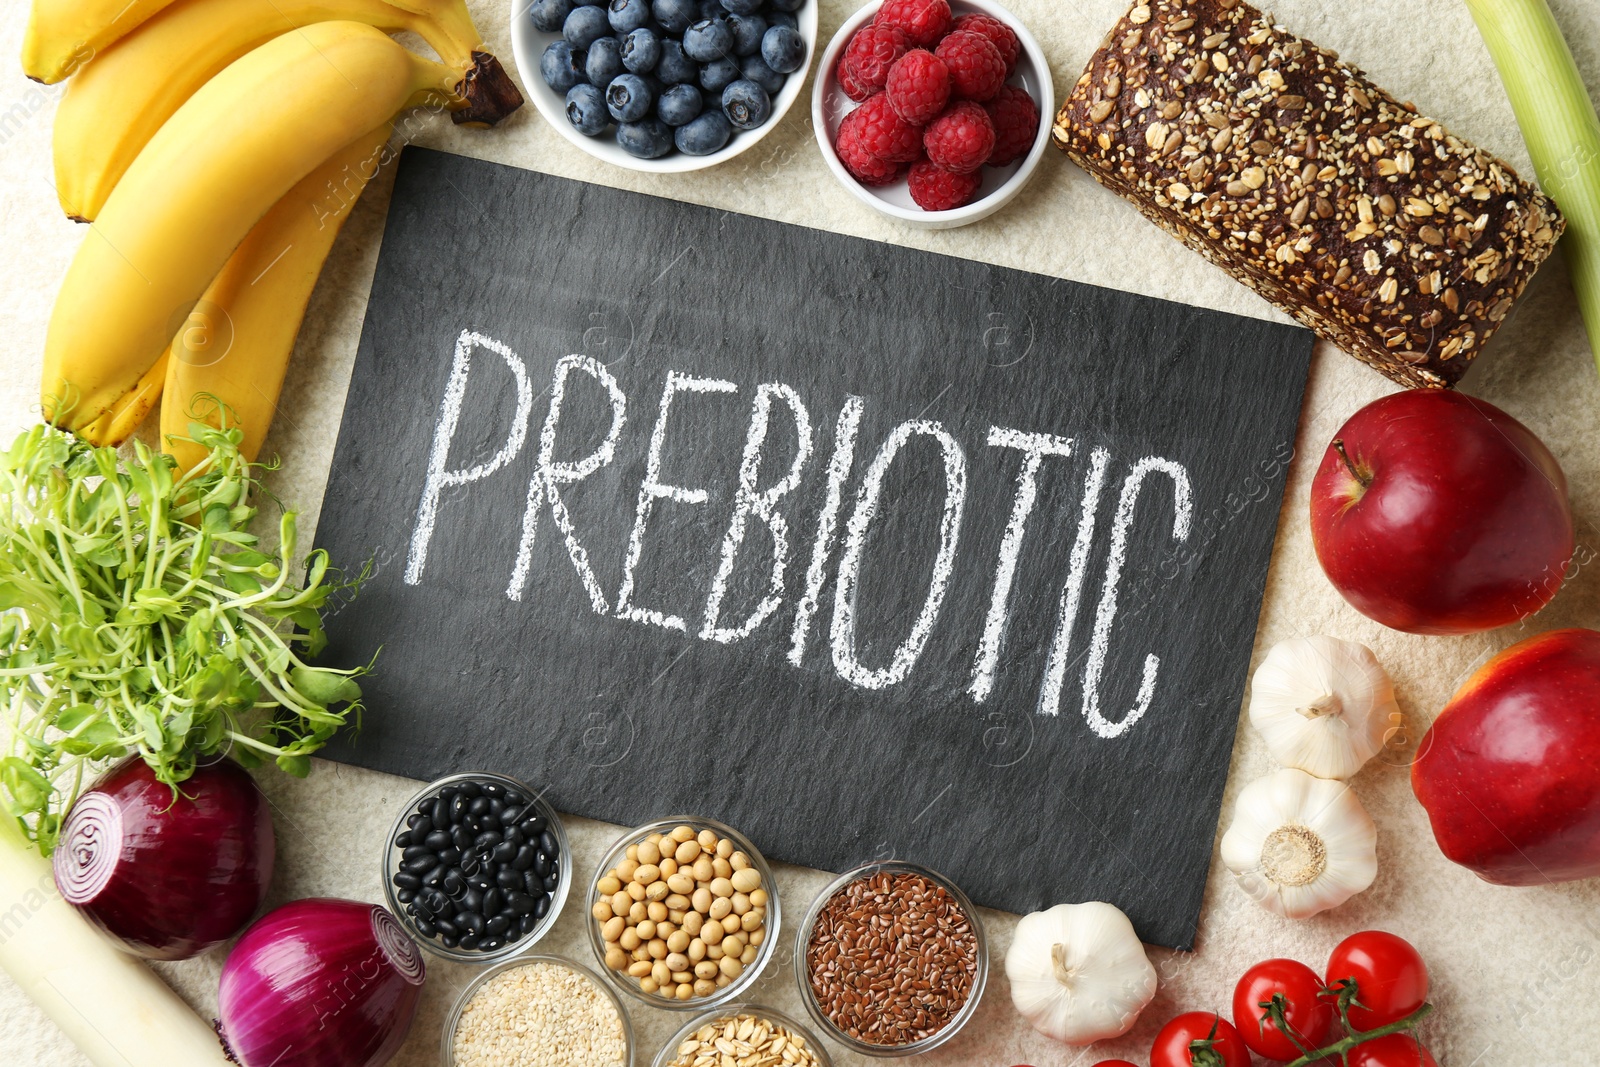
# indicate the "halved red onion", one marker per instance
pixel 167 876
pixel 320 983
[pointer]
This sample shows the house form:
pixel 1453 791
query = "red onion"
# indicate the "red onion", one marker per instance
pixel 320 983
pixel 167 876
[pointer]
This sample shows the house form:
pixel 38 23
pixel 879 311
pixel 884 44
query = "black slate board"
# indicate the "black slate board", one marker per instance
pixel 626 719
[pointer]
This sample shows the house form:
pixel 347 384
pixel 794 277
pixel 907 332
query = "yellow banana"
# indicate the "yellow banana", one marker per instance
pixel 62 35
pixel 257 303
pixel 114 105
pixel 206 178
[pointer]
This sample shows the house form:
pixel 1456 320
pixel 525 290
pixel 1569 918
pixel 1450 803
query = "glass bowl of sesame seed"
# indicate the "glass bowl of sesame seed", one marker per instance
pixel 689 933
pixel 537 1011
pixel 745 1032
pixel 880 918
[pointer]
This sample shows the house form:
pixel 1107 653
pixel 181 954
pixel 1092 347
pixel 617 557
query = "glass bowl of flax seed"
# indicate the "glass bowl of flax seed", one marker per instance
pixel 878 919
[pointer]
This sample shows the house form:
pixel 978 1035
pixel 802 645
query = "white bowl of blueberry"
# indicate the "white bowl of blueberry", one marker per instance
pixel 663 85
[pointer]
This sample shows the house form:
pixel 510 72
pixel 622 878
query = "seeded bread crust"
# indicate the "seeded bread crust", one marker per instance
pixel 1293 172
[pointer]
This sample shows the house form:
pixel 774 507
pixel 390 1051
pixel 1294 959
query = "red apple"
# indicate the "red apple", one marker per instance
pixel 1437 513
pixel 1510 771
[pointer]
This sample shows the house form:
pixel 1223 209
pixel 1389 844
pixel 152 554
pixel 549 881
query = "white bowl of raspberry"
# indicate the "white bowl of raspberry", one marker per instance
pixel 936 113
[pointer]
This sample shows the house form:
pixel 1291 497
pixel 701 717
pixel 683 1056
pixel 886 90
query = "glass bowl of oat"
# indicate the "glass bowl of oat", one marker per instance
pixel 749 1033
pixel 534 1011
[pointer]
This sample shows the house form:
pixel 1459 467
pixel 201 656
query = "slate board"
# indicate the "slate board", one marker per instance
pixel 875 744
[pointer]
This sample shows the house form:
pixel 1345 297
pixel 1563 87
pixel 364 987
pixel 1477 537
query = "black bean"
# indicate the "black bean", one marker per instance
pixel 450 856
pixel 493 789
pixel 532 883
pixel 480 806
pixel 417 822
pixel 437 902
pixel 404 840
pixel 498 926
pixel 471 900
pixel 455 883
pixel 524 858
pixel 508 879
pixel 435 876
pixel 548 844
pixel 504 852
pixel 519 903
pixel 406 896
pixel 441 815
pixel 514 835
pixel 461 837
pixel 526 924
pixel 407 880
pixel 541 907
pixel 469 789
pixel 439 840
pixel 459 806
pixel 486 840
pixel 533 827
pixel 448 794
pixel 446 927
pixel 471 920
pixel 493 902
pixel 552 880
pixel 416 852
pixel 471 866
pixel 497 807
pixel 411 909
pixel 426 928
pixel 489 944
pixel 421 864
pixel 469 942
pixel 449 940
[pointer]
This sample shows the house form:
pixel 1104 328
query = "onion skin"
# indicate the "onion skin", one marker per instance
pixel 167 876
pixel 320 983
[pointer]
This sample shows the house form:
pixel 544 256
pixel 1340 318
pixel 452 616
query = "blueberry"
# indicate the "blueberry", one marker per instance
pixel 679 105
pixel 603 62
pixel 783 49
pixel 743 7
pixel 641 51
pixel 675 16
pixel 708 40
pixel 747 31
pixel 715 77
pixel 711 9
pixel 629 98
pixel 785 5
pixel 559 66
pixel 675 67
pixel 755 69
pixel 703 136
pixel 585 26
pixel 650 139
pixel 746 104
pixel 548 15
pixel 628 15
pixel 782 18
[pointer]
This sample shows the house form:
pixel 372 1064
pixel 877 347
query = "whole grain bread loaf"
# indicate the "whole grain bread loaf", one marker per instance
pixel 1363 219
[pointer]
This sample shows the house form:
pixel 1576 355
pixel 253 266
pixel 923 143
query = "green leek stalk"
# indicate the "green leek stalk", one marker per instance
pixel 109 1003
pixel 1560 127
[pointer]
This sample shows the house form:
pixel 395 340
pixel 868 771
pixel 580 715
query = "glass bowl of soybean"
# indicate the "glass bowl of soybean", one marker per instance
pixel 731 855
pixel 529 823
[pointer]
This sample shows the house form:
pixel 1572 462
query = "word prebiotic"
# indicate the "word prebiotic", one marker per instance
pixel 834 540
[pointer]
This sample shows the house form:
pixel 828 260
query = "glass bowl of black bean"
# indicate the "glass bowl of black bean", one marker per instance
pixel 917 932
pixel 477 867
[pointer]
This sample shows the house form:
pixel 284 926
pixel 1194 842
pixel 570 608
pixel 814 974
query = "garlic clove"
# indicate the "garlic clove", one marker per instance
pixel 1300 845
pixel 1323 705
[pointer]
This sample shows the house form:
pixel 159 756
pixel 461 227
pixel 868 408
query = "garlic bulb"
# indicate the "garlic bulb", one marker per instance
pixel 1300 845
pixel 1078 972
pixel 1322 705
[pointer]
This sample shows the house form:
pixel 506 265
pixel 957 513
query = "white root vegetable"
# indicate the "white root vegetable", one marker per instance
pixel 111 1005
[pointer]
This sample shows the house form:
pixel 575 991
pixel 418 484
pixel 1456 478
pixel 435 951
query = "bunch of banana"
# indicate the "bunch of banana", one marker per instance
pixel 217 146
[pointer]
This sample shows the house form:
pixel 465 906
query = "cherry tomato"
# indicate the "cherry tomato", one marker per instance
pixel 1116 1063
pixel 1310 1017
pixel 1396 1050
pixel 1172 1047
pixel 1391 979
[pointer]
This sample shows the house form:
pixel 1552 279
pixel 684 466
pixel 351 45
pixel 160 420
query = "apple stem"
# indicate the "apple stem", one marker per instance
pixel 1355 472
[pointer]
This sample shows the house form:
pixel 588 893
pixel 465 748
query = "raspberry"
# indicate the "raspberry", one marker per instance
pixel 961 139
pixel 867 168
pixel 977 70
pixel 1016 123
pixel 848 84
pixel 1003 37
pixel 924 21
pixel 870 54
pixel 885 134
pixel 918 87
pixel 936 189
